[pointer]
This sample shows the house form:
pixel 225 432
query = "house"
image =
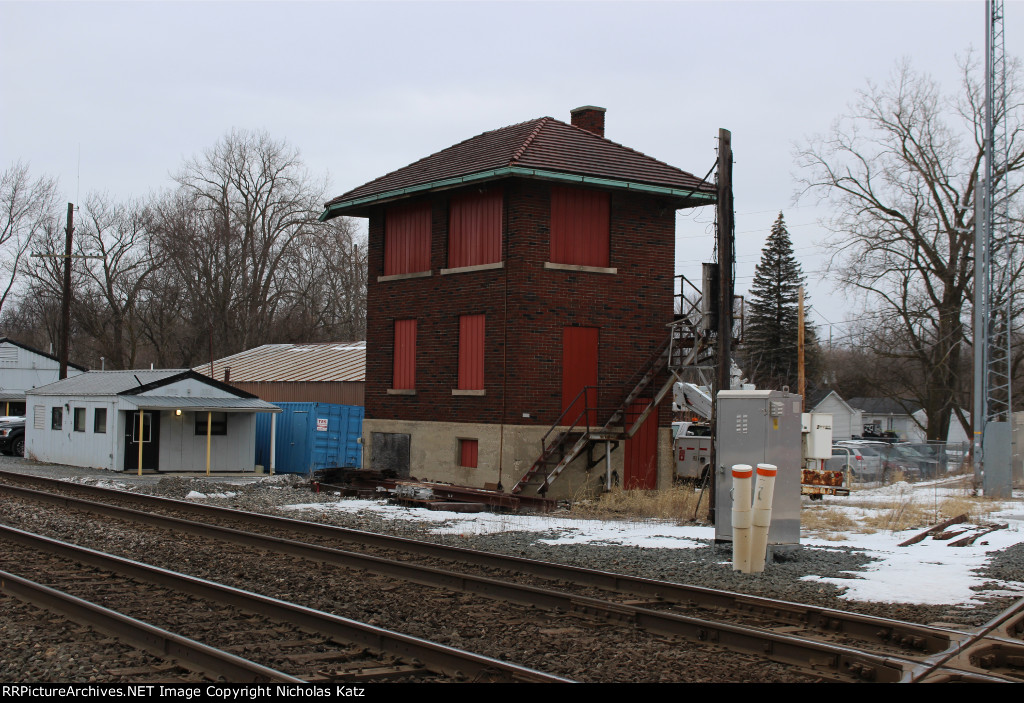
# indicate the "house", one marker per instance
pixel 906 418
pixel 182 420
pixel 22 368
pixel 847 421
pixel 324 372
pixel 888 415
pixel 518 282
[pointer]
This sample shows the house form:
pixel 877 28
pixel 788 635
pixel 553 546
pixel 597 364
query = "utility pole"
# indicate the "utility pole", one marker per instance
pixel 726 245
pixel 65 324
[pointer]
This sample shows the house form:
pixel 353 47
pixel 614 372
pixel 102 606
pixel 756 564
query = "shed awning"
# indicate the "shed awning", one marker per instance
pixel 200 404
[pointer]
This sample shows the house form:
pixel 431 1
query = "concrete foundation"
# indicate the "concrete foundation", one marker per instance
pixel 504 454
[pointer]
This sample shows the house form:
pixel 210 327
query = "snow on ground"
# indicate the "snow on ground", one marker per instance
pixel 929 572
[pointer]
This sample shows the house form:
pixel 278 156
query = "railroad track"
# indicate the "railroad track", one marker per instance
pixel 215 630
pixel 816 639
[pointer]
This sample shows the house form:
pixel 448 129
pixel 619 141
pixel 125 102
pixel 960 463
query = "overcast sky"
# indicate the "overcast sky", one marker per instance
pixel 115 96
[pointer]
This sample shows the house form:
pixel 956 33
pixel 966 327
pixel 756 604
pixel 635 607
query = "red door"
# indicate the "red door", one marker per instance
pixel 579 369
pixel 641 460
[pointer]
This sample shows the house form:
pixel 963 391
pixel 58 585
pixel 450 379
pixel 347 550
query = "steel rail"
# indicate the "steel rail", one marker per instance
pixel 842 662
pixel 924 638
pixel 988 649
pixel 195 656
pixel 449 661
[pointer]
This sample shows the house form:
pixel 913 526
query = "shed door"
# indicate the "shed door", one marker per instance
pixel 579 369
pixel 150 441
pixel 641 460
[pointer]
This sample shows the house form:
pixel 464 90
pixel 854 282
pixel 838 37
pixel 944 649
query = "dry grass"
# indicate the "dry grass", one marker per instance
pixel 823 520
pixel 901 515
pixel 678 504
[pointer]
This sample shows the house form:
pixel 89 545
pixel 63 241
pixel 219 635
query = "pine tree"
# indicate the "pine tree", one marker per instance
pixel 770 336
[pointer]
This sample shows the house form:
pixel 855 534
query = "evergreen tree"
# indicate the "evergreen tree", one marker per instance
pixel 771 331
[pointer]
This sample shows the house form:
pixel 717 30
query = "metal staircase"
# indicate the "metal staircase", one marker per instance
pixel 569 437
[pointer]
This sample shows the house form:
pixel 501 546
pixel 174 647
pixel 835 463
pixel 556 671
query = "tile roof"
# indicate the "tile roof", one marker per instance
pixel 545 144
pixel 317 362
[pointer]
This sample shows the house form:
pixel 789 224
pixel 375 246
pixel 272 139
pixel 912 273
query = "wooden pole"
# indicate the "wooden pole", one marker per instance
pixel 65 324
pixel 726 257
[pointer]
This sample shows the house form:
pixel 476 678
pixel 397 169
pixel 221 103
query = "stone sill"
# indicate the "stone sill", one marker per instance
pixel 401 391
pixel 579 269
pixel 402 276
pixel 470 269
pixel 459 391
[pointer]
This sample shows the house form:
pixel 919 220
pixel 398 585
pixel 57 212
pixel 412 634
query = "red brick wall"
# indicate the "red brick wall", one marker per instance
pixel 630 307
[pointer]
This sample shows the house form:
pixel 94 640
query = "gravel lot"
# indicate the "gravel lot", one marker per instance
pixel 705 566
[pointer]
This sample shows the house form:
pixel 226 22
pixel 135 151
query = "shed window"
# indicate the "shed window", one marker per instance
pixel 580 227
pixel 468 453
pixel 56 418
pixel 404 373
pixel 471 352
pixel 79 420
pixel 99 421
pixel 218 423
pixel 407 239
pixel 474 228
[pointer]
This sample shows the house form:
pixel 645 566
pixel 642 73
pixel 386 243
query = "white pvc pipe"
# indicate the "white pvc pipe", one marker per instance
pixel 764 491
pixel 741 479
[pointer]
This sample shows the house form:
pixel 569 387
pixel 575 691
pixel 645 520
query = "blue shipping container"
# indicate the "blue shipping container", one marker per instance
pixel 311 436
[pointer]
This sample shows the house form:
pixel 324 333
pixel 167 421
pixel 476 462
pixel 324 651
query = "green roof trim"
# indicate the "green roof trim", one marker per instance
pixel 333 210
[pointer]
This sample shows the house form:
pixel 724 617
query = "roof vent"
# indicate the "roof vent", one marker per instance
pixel 590 118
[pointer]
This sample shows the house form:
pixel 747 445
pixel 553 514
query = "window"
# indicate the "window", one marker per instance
pixel 56 418
pixel 218 423
pixel 404 374
pixel 474 228
pixel 471 352
pixel 79 420
pixel 99 421
pixel 407 239
pixel 580 227
pixel 468 453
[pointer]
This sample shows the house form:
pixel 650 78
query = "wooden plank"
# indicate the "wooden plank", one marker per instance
pixel 935 528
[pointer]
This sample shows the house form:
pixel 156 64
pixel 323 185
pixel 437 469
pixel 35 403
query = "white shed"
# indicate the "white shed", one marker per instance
pixel 23 368
pixel 175 419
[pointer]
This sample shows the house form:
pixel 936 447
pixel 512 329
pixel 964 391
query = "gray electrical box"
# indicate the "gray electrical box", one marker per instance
pixel 760 427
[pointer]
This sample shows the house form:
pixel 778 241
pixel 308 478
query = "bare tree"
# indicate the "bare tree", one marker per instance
pixel 115 281
pixel 901 172
pixel 237 214
pixel 27 206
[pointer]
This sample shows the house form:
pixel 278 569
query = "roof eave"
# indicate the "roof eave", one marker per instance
pixel 356 207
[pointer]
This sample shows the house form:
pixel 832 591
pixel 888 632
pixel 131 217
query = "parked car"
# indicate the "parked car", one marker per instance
pixel 12 435
pixel 926 467
pixel 847 458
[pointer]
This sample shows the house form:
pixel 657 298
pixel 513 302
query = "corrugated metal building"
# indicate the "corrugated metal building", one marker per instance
pixel 326 372
pixel 178 417
pixel 22 368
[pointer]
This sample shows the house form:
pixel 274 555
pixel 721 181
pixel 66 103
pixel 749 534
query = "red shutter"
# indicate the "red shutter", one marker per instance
pixel 471 352
pixel 640 470
pixel 579 369
pixel 580 227
pixel 468 450
pixel 407 239
pixel 474 229
pixel 405 354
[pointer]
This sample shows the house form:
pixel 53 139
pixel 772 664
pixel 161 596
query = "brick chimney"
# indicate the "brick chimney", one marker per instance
pixel 589 118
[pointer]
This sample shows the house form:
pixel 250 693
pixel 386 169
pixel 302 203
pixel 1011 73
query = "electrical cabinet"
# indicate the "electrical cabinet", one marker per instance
pixel 760 427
